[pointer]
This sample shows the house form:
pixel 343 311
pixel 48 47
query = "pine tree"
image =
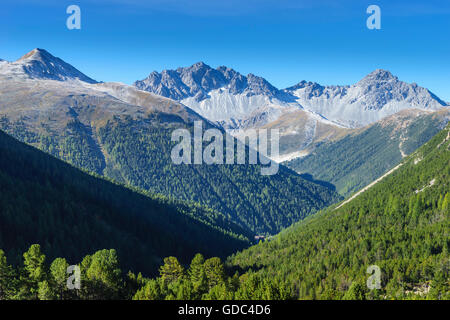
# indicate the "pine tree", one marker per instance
pixel 357 291
pixel 45 291
pixel 105 274
pixel 197 274
pixel 151 291
pixel 58 271
pixel 215 271
pixel 34 264
pixel 172 270
pixel 34 261
pixel 445 203
pixel 8 282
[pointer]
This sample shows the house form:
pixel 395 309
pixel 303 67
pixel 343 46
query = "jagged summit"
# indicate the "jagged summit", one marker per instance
pixel 40 64
pixel 381 74
pixel 377 95
pixel 197 66
pixel 217 94
pixel 200 79
pixel 305 84
pixel 378 76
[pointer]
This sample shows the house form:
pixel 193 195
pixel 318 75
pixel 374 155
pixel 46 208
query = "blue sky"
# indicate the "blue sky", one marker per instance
pixel 326 41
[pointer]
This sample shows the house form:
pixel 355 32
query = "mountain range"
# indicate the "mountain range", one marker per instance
pixel 229 97
pixel 314 120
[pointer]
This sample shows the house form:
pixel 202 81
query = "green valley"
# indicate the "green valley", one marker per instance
pixel 400 225
pixel 359 157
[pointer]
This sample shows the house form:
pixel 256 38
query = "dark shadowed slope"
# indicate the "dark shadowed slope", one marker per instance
pixel 71 213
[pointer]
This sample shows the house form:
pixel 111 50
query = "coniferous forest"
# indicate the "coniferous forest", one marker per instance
pixel 400 225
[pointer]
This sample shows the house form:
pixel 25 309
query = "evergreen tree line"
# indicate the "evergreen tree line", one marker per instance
pixel 101 278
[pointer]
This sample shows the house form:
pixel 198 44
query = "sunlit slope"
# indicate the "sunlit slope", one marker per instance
pixel 400 224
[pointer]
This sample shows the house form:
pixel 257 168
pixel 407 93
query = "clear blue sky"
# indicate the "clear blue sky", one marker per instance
pixel 284 41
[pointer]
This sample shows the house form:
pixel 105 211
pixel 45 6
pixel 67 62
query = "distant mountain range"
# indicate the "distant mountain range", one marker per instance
pixel 220 94
pixel 226 96
pixel 376 96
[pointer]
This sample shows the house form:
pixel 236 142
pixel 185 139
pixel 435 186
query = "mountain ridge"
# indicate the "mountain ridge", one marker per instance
pixel 219 95
pixel 353 158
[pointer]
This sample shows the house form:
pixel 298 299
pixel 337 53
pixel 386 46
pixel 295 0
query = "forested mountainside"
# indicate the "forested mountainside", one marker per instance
pixel 400 224
pixel 358 158
pixel 137 150
pixel 260 203
pixel 71 213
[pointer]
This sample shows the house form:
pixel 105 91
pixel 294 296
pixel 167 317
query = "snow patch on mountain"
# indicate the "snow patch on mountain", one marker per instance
pixel 40 64
pixel 224 106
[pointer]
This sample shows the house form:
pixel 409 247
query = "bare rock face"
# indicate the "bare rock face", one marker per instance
pixel 374 97
pixel 220 94
pixel 228 97
pixel 199 79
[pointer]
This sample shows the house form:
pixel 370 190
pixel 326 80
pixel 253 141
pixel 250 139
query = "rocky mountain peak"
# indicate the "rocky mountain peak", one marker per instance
pixel 40 64
pixel 378 77
pixel 200 79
